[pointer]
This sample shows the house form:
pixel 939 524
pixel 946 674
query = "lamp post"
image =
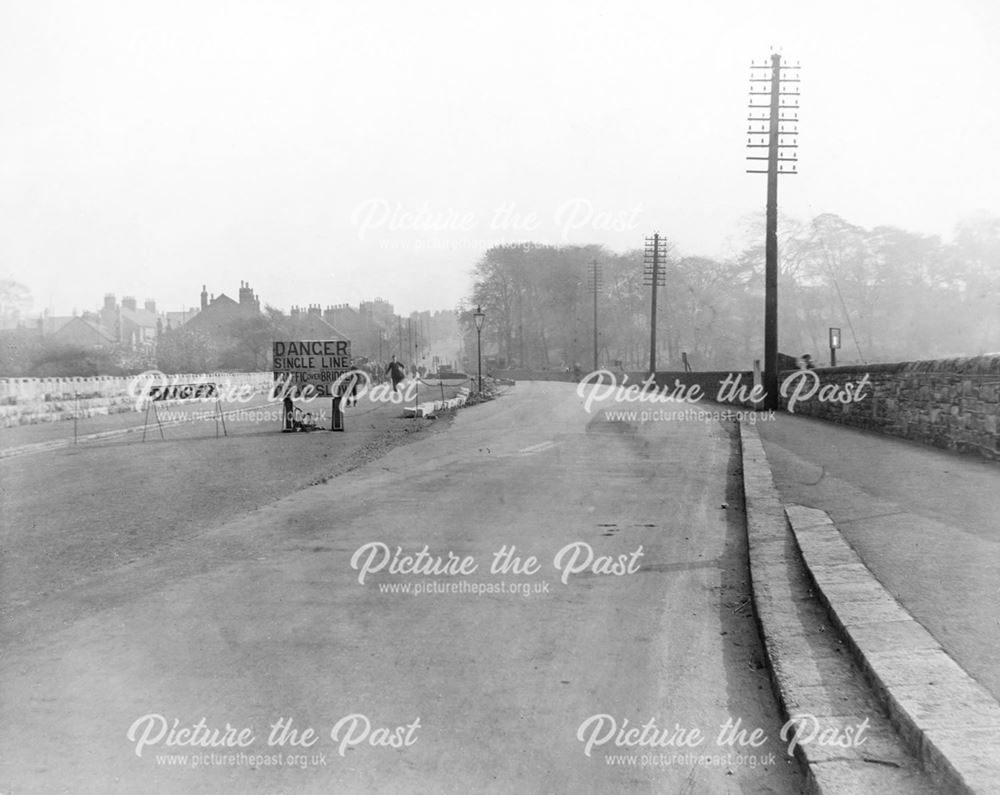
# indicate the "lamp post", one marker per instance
pixel 479 316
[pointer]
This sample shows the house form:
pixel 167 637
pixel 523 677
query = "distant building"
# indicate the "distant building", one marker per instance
pixel 377 313
pixel 310 325
pixel 83 334
pixel 137 327
pixel 172 320
pixel 346 319
pixel 218 313
pixel 129 325
pixel 108 318
pixel 50 324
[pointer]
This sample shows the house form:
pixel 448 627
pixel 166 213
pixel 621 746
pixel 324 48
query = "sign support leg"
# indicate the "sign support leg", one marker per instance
pixel 337 420
pixel 158 423
pixel 221 416
pixel 145 424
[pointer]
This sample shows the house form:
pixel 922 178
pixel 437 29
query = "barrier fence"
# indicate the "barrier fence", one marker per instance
pixel 33 400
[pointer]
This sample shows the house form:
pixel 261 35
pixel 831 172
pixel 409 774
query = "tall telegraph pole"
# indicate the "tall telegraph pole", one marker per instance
pixel 775 129
pixel 653 276
pixel 595 284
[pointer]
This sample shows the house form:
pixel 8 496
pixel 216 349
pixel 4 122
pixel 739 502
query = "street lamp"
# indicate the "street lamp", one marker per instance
pixel 479 316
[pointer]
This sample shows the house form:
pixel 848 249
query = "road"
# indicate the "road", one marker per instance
pixel 244 619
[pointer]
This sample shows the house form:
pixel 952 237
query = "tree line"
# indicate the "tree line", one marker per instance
pixel 896 295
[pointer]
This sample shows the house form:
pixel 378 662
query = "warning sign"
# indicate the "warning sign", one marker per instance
pixel 318 363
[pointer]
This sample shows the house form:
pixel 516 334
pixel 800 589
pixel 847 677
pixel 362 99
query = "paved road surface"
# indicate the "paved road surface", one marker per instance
pixel 263 617
pixel 925 521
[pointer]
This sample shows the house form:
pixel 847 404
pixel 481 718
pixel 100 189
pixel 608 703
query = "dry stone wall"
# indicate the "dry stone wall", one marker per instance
pixel 949 403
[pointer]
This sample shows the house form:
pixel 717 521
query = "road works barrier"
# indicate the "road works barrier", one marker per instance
pixel 25 401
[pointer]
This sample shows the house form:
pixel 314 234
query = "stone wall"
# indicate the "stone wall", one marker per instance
pixel 949 403
pixel 710 382
pixel 31 400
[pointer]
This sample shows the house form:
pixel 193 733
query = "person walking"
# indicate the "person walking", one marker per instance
pixel 396 373
pixel 351 384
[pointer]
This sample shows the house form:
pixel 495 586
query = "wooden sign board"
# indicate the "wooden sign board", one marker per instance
pixel 318 363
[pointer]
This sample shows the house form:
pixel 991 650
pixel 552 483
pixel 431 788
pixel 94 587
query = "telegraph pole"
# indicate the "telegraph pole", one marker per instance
pixel 653 276
pixel 595 284
pixel 779 137
pixel 520 330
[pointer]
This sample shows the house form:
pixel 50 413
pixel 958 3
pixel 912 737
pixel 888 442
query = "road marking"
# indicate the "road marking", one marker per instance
pixel 537 448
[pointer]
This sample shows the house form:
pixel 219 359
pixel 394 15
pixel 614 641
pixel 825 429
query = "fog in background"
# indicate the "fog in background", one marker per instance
pixel 331 152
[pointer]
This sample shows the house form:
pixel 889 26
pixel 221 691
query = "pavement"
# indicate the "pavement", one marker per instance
pixel 901 544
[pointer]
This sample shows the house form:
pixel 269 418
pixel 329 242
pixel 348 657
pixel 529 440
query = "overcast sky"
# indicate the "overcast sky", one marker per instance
pixel 330 152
